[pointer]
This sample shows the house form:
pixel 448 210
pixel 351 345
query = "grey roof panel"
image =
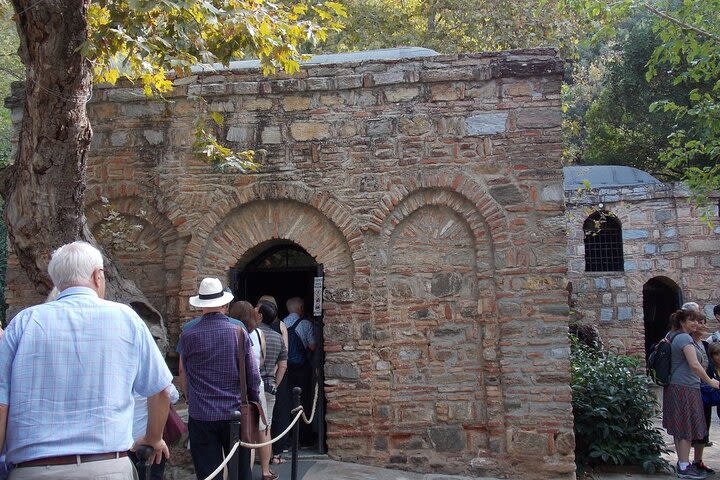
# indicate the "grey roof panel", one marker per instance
pixel 605 176
pixel 333 58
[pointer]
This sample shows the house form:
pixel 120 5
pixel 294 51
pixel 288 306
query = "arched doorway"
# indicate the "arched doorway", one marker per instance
pixel 661 297
pixel 285 270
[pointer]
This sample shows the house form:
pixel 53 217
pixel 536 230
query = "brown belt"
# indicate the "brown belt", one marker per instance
pixel 70 459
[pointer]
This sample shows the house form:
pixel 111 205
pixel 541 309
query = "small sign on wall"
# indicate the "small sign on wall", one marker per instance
pixel 317 296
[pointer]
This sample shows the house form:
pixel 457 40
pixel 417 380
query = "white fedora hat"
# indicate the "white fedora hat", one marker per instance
pixel 211 294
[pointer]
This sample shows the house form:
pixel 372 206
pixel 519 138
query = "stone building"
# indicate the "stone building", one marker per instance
pixel 419 196
pixel 653 252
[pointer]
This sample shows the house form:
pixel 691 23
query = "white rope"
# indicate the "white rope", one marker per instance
pixel 225 462
pixel 312 414
pixel 300 413
pixel 273 440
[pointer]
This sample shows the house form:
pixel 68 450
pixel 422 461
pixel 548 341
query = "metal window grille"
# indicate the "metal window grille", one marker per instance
pixel 603 244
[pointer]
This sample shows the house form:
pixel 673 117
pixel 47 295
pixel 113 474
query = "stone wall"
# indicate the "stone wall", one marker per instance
pixel 429 189
pixel 664 236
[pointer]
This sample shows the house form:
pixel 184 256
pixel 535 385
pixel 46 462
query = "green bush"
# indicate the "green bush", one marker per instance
pixel 613 407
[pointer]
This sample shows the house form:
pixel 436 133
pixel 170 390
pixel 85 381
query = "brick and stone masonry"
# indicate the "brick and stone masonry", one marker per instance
pixel 431 191
pixel 665 239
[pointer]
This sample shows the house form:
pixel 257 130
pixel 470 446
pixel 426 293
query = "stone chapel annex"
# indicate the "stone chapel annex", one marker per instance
pixel 424 191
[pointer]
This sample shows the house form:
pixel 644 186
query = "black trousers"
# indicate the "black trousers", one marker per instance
pixel 281 417
pixel 301 376
pixel 208 442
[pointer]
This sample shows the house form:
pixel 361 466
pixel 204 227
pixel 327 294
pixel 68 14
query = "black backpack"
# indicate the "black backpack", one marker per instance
pixel 659 365
pixel 296 348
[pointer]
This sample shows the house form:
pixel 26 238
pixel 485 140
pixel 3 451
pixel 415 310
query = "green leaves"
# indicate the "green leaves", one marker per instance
pixel 149 41
pixel 140 39
pixel 613 409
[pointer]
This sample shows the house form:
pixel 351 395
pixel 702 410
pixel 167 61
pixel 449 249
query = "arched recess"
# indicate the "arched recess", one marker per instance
pixel 661 297
pixel 249 227
pixel 467 192
pixel 147 246
pixel 330 213
pixel 438 332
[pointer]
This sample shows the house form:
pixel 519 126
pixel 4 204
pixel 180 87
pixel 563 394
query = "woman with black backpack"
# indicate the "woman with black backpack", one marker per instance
pixel 683 412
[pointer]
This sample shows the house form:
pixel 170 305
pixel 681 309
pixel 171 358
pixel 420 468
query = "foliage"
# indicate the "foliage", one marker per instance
pixel 613 408
pixel 621 128
pixel 150 41
pixel 10 69
pixel 584 83
pixel 691 49
pixel 219 156
pixel 689 54
pixel 147 39
pixel 450 26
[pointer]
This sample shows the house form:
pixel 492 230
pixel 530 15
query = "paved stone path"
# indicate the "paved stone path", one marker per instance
pixel 325 469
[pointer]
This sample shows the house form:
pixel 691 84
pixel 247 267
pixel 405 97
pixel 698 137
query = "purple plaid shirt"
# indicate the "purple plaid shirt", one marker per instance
pixel 209 355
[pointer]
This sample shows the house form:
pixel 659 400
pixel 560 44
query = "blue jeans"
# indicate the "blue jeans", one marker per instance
pixel 208 442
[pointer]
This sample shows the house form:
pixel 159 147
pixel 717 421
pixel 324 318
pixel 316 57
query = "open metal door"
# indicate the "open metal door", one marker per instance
pixel 319 358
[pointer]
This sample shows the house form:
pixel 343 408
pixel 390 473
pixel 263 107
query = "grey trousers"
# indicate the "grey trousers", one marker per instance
pixel 113 469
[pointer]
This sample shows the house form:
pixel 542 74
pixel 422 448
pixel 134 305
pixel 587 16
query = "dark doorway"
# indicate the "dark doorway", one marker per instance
pixel 285 270
pixel 661 297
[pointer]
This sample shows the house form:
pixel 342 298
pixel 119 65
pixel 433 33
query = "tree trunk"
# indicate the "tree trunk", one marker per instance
pixel 45 187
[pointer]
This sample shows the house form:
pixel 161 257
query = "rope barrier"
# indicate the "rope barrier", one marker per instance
pixel 273 440
pixel 298 411
pixel 224 462
pixel 312 414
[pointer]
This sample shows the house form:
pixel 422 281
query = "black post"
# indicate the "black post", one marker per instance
pixel 233 464
pixel 297 392
pixel 143 454
pixel 320 384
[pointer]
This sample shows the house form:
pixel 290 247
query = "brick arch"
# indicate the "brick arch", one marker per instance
pixel 259 222
pixel 468 192
pixel 444 197
pixel 133 206
pixel 483 332
pixel 342 218
pixel 155 270
pixel 166 210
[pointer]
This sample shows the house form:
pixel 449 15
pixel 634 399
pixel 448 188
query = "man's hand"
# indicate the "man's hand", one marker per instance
pixel 159 449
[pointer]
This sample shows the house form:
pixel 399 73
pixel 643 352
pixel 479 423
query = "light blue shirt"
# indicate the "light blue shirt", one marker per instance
pixel 305 329
pixel 140 414
pixel 68 369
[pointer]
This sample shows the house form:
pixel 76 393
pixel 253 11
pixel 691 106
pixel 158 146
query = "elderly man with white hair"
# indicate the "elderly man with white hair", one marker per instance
pixel 68 369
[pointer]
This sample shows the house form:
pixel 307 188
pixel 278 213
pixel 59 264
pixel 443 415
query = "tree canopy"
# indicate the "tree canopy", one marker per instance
pixel 451 26
pixel 66 44
pixel 686 59
pixel 621 129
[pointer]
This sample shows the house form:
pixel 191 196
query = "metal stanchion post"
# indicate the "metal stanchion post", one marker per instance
pixel 143 454
pixel 297 392
pixel 233 465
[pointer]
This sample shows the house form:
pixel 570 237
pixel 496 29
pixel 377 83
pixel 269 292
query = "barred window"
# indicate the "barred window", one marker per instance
pixel 603 243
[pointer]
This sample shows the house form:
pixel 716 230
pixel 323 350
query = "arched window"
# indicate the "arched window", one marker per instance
pixel 603 243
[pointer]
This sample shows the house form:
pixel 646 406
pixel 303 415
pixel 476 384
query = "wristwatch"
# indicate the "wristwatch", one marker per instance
pixel 273 390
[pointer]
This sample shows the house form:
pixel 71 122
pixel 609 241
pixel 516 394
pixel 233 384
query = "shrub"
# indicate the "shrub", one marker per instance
pixel 613 408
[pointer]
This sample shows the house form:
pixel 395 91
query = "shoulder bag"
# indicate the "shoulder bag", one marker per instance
pixel 250 411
